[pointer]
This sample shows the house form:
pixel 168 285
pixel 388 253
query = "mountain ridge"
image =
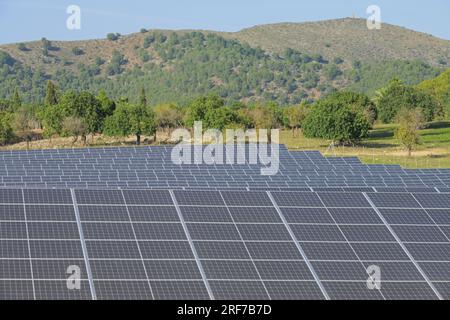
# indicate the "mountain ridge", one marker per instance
pixel 318 35
pixel 304 37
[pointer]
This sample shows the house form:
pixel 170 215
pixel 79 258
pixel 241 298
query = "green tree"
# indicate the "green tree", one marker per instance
pixel 107 105
pixel 117 61
pixel 142 98
pixel 77 51
pixel 113 36
pixel 129 119
pixel 294 117
pixel 148 41
pixel 199 108
pixel 23 124
pixel 277 113
pixel 265 117
pixel 75 127
pixel 398 96
pixel 52 118
pixel 16 101
pixel 439 88
pixel 46 44
pixel 51 96
pixel 4 105
pixel 221 118
pixel 168 117
pixel 83 105
pixel 409 122
pixel 6 131
pixel 337 122
pixel 357 101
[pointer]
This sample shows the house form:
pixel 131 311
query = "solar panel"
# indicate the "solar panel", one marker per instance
pixel 140 227
pixel 151 167
pixel 294 290
pixel 244 252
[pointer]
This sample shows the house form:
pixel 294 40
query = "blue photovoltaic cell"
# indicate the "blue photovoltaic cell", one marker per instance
pixel 225 231
pixel 152 167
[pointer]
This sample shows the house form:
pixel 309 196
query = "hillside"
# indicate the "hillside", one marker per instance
pixel 286 63
pixel 349 39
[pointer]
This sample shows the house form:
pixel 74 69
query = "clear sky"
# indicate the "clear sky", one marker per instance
pixel 25 20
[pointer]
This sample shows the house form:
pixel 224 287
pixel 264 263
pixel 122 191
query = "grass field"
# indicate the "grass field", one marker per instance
pixel 382 148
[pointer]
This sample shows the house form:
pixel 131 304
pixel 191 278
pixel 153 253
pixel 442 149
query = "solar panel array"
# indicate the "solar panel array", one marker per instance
pixel 174 244
pixel 152 167
pixel 261 238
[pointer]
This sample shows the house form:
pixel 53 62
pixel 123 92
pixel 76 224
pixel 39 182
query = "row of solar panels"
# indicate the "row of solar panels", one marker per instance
pixel 258 187
pixel 161 156
pixel 126 183
pixel 151 167
pixel 174 244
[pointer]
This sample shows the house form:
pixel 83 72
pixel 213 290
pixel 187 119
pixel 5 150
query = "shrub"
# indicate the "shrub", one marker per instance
pixel 22 47
pixel 357 101
pixel 99 61
pixel 332 71
pixel 409 122
pixel 129 119
pixel 6 59
pixel 338 60
pixel 113 36
pixel 397 96
pixel 148 41
pixel 77 51
pixel 117 61
pixel 337 122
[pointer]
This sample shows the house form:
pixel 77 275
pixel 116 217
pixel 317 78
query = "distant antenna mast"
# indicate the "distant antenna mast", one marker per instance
pixel 354 15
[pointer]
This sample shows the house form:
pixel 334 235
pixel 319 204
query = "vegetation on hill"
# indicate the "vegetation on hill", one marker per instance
pixel 177 68
pixel 370 77
pixel 286 63
pixel 349 39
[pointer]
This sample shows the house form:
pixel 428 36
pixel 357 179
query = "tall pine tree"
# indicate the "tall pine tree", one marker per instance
pixel 142 98
pixel 16 101
pixel 51 97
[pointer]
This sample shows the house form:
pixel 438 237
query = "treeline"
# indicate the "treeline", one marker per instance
pixel 343 117
pixel 82 114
